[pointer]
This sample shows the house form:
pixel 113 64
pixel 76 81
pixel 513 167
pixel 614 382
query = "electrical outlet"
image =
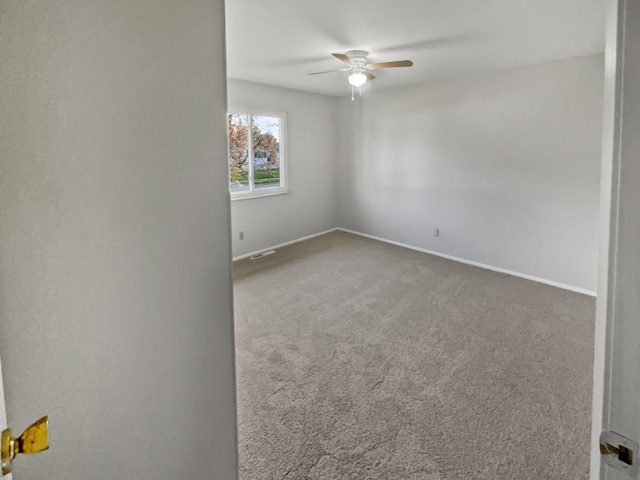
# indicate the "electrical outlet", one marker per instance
pixel 436 232
pixel 241 235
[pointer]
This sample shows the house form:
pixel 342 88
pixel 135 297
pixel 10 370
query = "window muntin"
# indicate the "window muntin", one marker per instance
pixel 256 154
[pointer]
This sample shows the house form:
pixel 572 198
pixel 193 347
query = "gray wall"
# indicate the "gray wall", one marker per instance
pixel 506 164
pixel 115 295
pixel 312 150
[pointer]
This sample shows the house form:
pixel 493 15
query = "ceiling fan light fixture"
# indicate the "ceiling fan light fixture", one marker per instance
pixel 360 68
pixel 357 79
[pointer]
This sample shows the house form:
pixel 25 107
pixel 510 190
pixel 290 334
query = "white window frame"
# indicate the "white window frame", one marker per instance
pixel 284 156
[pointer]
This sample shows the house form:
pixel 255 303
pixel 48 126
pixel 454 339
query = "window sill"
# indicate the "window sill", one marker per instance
pixel 235 198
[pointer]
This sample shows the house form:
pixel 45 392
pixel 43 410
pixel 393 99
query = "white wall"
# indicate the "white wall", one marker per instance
pixel 312 135
pixel 506 164
pixel 115 291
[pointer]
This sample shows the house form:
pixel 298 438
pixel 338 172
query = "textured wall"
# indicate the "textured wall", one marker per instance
pixel 506 164
pixel 114 237
pixel 312 149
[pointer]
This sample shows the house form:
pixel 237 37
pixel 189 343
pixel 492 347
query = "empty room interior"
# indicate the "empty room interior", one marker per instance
pixel 415 191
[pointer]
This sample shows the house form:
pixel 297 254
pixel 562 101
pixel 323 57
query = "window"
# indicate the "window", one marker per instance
pixel 257 160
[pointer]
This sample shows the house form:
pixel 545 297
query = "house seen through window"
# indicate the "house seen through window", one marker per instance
pixel 256 154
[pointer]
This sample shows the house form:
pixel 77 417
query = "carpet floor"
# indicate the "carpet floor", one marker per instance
pixel 357 359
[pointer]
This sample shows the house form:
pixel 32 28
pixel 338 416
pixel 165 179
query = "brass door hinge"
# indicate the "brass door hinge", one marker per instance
pixel 33 440
pixel 619 452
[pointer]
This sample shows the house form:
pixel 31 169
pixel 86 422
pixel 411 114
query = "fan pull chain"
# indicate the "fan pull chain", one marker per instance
pixel 352 99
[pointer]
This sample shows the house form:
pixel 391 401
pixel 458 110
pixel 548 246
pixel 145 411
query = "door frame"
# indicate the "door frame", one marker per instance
pixel 618 39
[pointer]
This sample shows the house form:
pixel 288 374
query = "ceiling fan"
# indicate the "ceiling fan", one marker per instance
pixel 358 65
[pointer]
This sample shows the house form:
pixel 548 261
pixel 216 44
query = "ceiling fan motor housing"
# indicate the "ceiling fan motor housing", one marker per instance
pixel 358 57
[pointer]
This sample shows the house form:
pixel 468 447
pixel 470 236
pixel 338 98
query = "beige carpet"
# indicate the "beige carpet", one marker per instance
pixel 361 360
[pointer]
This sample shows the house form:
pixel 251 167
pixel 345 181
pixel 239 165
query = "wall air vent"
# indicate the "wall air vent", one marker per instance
pixel 262 254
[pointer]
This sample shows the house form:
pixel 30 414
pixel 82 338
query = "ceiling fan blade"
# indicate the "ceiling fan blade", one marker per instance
pixel 343 57
pixel 369 75
pixel 400 63
pixel 329 71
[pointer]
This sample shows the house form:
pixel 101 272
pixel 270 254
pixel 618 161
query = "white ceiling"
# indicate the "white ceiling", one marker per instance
pixel 277 42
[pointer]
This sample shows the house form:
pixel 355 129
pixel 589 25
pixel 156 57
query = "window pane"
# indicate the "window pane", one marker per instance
pixel 238 152
pixel 265 136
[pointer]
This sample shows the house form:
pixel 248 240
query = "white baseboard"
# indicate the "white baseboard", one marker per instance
pixel 430 252
pixel 280 245
pixel 477 264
